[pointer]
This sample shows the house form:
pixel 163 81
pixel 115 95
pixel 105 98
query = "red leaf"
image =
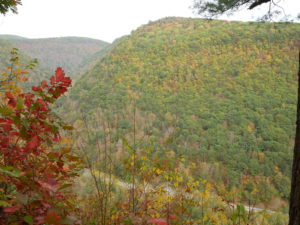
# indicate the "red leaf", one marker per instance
pixel 6 124
pixel 33 143
pixel 56 138
pixel 9 95
pixel 158 221
pixel 52 80
pixel 28 99
pixel 11 209
pixel 62 90
pixel 66 81
pixel 38 88
pixel 172 217
pixel 6 127
pixel 53 218
pixel 42 104
pixel 59 74
pixel 12 101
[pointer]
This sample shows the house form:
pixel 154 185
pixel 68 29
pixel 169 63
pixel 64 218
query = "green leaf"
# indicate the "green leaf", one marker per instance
pixel 65 186
pixel 20 103
pixel 10 171
pixel 4 204
pixel 5 111
pixel 35 106
pixel 28 219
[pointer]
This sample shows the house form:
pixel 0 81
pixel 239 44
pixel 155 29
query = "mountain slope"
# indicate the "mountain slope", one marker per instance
pixel 221 94
pixel 67 52
pixel 36 75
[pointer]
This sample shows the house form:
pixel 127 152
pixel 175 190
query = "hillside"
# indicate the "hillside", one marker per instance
pixel 89 62
pixel 67 52
pixel 37 73
pixel 220 94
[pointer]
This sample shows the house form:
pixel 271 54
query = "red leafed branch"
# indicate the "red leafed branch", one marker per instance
pixel 31 171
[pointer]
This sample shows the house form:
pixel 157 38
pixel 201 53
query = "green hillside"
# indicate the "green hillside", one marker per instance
pixel 66 52
pixel 221 94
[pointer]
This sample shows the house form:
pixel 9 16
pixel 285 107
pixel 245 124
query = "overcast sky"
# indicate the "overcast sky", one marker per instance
pixel 102 19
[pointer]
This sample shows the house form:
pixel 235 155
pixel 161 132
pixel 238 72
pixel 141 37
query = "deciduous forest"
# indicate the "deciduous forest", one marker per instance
pixel 184 121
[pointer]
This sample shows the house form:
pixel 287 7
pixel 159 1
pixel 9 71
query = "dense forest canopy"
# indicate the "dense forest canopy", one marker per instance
pixel 203 90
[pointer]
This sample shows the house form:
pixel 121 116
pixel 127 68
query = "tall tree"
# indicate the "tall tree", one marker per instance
pixel 218 7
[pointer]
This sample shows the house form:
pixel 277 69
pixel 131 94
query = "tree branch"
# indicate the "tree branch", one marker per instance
pixel 257 3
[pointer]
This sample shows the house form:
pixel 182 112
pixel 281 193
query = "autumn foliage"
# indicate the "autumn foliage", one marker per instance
pixel 35 168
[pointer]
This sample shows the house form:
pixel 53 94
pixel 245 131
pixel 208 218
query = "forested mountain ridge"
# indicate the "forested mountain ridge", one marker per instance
pixel 220 94
pixel 67 52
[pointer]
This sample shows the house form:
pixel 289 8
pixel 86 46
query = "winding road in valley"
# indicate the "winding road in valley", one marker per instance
pixel 170 191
